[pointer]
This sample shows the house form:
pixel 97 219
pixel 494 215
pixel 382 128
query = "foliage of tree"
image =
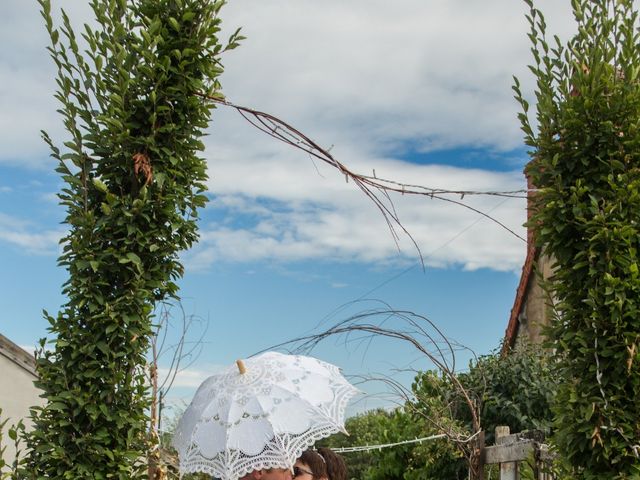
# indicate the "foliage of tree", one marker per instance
pixel 585 151
pixel 514 390
pixel 15 432
pixel 416 461
pixel 364 429
pixel 128 93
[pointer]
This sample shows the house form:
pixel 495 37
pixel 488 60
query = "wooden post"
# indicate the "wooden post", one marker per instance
pixel 508 470
pixel 476 462
pixel 481 455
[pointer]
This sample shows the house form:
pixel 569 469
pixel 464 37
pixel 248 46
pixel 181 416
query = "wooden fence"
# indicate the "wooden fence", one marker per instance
pixel 511 449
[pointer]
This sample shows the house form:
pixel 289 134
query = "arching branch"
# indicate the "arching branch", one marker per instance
pixel 375 188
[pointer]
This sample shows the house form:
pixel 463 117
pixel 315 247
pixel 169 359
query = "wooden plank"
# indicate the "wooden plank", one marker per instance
pixel 509 471
pixel 513 452
pixel 506 439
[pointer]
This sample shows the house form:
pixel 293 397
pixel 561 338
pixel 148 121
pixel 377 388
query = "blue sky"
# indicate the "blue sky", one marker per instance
pixel 419 90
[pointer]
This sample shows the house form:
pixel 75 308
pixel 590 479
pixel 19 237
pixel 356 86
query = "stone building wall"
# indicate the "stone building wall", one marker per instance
pixel 17 391
pixel 535 312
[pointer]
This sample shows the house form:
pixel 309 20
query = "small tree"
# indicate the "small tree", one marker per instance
pixel 433 459
pixel 586 166
pixel 515 390
pixel 134 182
pixel 178 356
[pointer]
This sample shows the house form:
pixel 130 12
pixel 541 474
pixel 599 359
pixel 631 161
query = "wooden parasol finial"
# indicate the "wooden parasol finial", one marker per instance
pixel 241 367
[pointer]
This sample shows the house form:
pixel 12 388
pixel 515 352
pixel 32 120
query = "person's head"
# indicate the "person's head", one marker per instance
pixel 310 466
pixel 320 464
pixel 269 474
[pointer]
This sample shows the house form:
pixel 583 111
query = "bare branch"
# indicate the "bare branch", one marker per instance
pixel 375 188
pixel 415 329
pixel 183 350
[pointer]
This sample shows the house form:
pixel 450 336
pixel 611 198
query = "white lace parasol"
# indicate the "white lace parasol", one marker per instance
pixel 262 418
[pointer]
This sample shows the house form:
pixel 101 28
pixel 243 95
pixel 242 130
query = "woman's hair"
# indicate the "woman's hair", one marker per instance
pixel 324 462
pixel 316 463
pixel 336 466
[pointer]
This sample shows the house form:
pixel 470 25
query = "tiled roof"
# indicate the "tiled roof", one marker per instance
pixel 512 327
pixel 17 355
pixel 527 269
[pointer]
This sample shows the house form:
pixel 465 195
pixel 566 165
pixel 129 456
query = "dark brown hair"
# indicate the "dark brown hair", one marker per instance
pixel 315 462
pixel 336 466
pixel 324 462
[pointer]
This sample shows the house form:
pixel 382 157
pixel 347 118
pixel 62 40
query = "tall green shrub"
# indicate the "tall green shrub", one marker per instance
pixel 585 151
pixel 134 181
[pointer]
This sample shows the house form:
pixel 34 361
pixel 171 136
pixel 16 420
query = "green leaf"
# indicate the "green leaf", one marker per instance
pixel 174 24
pixel 99 185
pixel 134 258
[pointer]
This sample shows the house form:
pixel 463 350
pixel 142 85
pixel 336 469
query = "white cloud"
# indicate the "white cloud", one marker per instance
pixel 373 78
pixel 25 235
pixel 28 83
pixel 31 349
pixel 50 197
pixel 189 377
pixel 316 215
pixel 28 348
pixel 370 73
